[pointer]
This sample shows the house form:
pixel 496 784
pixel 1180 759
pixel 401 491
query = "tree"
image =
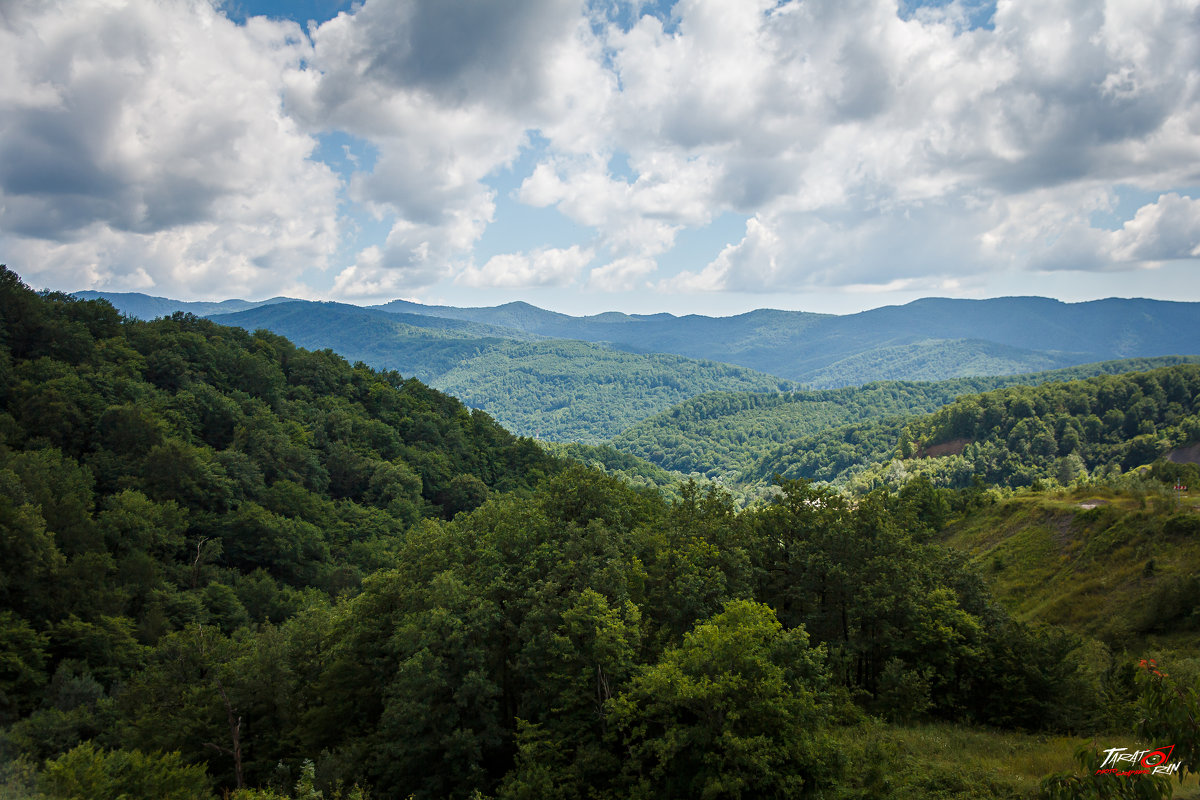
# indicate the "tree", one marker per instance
pixel 87 771
pixel 738 710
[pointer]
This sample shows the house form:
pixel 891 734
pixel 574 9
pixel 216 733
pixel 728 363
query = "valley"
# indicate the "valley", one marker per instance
pixel 339 575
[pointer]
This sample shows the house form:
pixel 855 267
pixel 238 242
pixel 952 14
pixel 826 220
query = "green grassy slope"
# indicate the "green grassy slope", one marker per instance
pixel 1119 566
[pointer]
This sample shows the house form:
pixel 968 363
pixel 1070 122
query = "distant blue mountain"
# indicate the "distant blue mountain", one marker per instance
pixel 1008 334
pixel 144 306
pixel 928 339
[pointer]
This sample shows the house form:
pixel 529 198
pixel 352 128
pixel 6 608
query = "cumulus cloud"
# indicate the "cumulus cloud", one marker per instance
pixel 158 145
pixel 1165 230
pixel 144 145
pixel 543 267
pixel 447 92
pixel 877 148
pixel 622 274
pixel 641 217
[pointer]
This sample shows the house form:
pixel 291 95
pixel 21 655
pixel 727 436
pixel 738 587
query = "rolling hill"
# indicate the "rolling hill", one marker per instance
pixel 1014 436
pixel 723 434
pixel 928 339
pixel 550 388
pixel 932 338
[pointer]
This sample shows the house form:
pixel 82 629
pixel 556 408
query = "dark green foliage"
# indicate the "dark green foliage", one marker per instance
pixel 159 476
pixel 737 710
pixel 302 575
pixel 612 461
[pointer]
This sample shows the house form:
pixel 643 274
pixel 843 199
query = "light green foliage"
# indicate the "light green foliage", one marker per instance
pixel 737 710
pixel 576 391
pixel 88 773
pixel 554 389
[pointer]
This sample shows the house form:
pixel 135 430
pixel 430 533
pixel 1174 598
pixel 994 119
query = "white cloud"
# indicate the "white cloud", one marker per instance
pixel 874 149
pixel 447 94
pixel 1048 231
pixel 144 145
pixel 1165 230
pixel 641 217
pixel 543 267
pixel 157 145
pixel 622 275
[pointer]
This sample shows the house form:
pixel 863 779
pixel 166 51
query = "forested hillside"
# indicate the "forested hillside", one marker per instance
pixel 180 475
pixel 1013 436
pixel 932 338
pixel 554 389
pixel 724 434
pixel 229 566
pixel 935 360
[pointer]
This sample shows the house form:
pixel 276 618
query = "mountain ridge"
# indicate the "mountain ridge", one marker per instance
pixel 926 339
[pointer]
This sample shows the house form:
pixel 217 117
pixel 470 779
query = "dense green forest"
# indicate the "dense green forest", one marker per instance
pixel 935 360
pixel 1016 436
pixel 230 565
pixel 723 434
pixel 554 389
pixel 611 461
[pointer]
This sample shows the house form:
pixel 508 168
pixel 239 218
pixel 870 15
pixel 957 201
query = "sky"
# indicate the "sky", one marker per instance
pixel 701 156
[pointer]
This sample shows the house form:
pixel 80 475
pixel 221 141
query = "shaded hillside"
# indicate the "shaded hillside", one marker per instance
pixel 551 388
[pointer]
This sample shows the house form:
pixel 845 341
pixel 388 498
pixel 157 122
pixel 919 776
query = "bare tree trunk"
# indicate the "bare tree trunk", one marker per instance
pixel 196 564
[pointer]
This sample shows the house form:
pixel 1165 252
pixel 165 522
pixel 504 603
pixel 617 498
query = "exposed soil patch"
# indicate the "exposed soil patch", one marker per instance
pixel 951 448
pixel 1060 530
pixel 1185 455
